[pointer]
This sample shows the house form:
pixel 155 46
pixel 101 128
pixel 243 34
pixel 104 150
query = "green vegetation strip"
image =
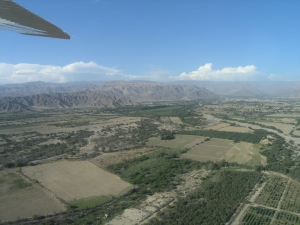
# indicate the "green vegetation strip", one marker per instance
pixel 6 127
pixel 235 136
pixel 89 202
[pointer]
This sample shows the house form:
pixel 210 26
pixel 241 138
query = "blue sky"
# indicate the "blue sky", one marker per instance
pixel 157 40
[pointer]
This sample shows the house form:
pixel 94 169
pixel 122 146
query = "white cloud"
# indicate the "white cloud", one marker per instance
pixel 78 71
pixel 226 74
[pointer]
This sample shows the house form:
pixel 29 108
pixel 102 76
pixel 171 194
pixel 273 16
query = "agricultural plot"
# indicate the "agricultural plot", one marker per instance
pixel 112 158
pixel 180 142
pixel 213 150
pixel 237 129
pixel 245 153
pixel 285 115
pixel 271 194
pixel 296 132
pixel 291 201
pixel 258 216
pixel 235 136
pixel 286 219
pixel 288 120
pixel 76 180
pixel 285 128
pixel 175 120
pixel 20 199
pixel 165 119
pixel 218 126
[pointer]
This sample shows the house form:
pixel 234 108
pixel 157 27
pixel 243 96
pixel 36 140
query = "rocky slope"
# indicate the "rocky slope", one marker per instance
pixel 61 100
pixel 111 94
pixel 35 88
pixel 151 91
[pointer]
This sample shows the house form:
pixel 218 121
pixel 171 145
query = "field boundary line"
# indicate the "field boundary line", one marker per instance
pixel 60 201
pixel 201 156
pixel 280 201
pixel 220 146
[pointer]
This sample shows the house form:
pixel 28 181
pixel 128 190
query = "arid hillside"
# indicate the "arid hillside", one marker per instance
pixel 61 100
pixel 150 91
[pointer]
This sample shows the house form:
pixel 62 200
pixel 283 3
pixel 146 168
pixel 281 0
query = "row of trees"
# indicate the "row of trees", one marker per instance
pixel 213 203
pixel 234 136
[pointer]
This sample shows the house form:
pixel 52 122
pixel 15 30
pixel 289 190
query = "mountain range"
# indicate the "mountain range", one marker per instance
pixel 111 94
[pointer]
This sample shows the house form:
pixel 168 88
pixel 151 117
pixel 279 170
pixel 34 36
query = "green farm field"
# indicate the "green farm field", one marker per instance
pixel 291 201
pixel 271 194
pixel 213 150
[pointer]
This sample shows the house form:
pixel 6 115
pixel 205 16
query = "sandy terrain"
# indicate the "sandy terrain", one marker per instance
pixel 74 180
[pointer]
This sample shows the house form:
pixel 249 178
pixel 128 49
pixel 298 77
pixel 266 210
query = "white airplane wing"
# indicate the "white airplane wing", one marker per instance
pixel 14 17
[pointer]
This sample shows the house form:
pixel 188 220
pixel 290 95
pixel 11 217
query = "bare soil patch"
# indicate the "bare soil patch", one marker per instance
pixel 75 180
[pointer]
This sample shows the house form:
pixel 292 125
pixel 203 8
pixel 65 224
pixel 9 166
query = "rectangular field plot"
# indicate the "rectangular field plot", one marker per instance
pixel 213 150
pixel 272 192
pixel 285 128
pixel 286 219
pixel 237 129
pixel 218 126
pixel 227 127
pixel 175 120
pixel 245 153
pixel 291 201
pixel 258 215
pixel 20 199
pixel 180 142
pixel 76 180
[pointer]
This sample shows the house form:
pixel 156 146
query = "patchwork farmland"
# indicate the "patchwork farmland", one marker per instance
pixel 75 180
pixel 21 199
